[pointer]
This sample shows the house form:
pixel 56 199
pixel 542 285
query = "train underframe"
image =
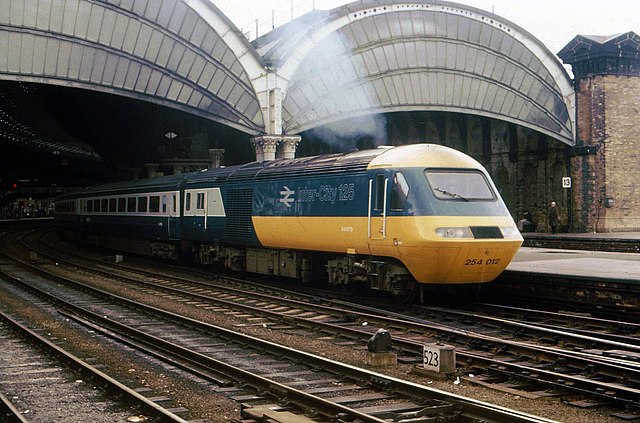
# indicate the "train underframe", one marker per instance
pixel 343 271
pixel 340 271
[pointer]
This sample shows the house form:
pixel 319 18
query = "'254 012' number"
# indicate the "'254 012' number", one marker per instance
pixel 480 262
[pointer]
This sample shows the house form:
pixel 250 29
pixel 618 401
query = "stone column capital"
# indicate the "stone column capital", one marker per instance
pixel 289 146
pixel 265 147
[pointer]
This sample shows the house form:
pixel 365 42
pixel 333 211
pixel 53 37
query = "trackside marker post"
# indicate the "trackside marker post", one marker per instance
pixel 438 360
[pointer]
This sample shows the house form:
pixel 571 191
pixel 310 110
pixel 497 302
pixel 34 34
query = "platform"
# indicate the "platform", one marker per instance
pixel 584 262
pixel 577 263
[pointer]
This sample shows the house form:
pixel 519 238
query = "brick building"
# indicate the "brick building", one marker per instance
pixel 606 160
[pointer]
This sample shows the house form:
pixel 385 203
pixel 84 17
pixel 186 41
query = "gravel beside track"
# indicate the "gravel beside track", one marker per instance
pixel 123 363
pixel 29 378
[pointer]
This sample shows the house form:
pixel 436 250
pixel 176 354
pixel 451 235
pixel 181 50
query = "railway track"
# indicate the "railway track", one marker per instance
pixel 550 362
pixel 34 370
pixel 557 374
pixel 593 373
pixel 613 300
pixel 308 382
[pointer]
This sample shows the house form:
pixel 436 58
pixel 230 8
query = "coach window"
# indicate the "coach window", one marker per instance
pixel 122 205
pixel 89 206
pixel 399 192
pixel 96 206
pixel 113 202
pixel 131 204
pixel 154 204
pixel 142 204
pixel 164 203
pixel 187 202
pixel 200 201
pixel 174 203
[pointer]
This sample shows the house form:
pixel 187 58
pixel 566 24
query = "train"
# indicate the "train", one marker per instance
pixel 392 219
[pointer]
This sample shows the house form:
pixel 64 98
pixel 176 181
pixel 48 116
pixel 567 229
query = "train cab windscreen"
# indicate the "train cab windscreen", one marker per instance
pixel 459 185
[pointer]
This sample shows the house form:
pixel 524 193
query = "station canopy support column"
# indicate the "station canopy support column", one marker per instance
pixel 216 157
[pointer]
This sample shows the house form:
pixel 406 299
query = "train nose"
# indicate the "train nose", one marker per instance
pixel 460 249
pixel 470 262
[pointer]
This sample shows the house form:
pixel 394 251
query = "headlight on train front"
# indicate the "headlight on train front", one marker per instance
pixel 463 232
pixel 510 232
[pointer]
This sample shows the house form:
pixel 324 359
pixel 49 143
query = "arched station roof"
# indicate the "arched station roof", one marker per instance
pixel 370 56
pixel 384 56
pixel 181 53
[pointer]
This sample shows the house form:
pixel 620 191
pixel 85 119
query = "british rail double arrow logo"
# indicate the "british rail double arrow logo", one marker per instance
pixel 286 196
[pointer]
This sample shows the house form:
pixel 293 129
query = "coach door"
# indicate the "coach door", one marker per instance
pixel 377 216
pixel 195 215
pixel 170 209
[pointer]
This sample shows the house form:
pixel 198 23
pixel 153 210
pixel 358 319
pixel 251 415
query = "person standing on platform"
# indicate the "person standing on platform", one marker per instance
pixel 554 218
pixel 526 224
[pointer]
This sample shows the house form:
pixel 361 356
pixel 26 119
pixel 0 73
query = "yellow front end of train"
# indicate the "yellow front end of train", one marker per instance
pixel 443 250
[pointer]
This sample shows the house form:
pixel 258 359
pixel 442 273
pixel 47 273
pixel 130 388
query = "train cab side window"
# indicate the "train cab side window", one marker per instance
pixel 200 201
pixel 174 204
pixel 131 204
pixel 142 204
pixel 379 199
pixel 112 205
pixel 399 192
pixel 154 204
pixel 187 202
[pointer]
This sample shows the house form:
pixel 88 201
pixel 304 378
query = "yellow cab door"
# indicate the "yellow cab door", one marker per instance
pixel 379 236
pixel 387 202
